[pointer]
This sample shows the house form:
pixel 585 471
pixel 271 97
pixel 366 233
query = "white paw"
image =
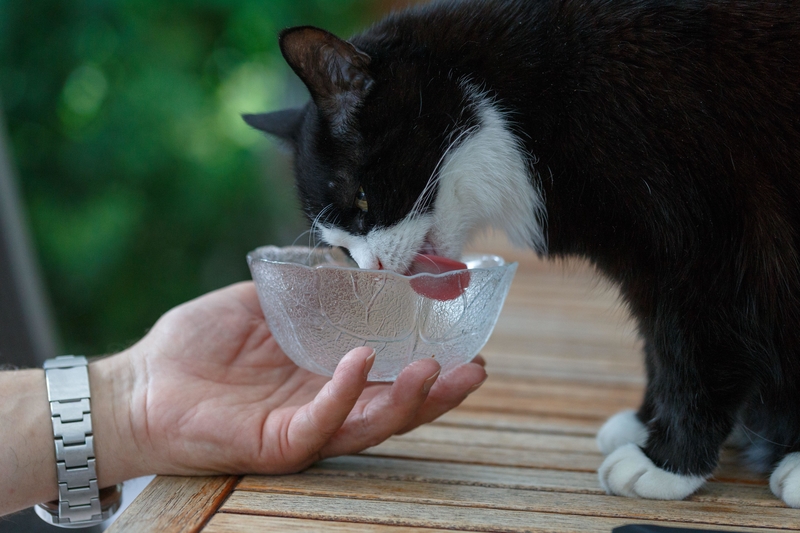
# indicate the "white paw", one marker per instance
pixel 629 472
pixel 622 428
pixel 785 480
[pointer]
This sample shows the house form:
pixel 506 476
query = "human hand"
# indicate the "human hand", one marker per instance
pixel 208 390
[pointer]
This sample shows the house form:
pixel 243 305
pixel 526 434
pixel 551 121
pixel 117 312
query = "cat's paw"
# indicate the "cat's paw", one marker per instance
pixel 629 472
pixel 785 480
pixel 622 428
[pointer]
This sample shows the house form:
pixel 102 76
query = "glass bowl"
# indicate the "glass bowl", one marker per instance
pixel 320 305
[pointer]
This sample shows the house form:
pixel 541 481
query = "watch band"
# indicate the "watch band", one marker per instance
pixel 79 503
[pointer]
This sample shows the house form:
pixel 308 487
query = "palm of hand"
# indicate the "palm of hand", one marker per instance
pixel 221 396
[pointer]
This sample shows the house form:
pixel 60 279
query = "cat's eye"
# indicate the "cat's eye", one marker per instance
pixel 361 199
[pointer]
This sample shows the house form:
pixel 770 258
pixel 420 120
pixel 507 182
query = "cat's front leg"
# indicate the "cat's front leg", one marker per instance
pixel 689 414
pixel 628 471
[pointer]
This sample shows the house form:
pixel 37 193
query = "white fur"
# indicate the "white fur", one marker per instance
pixel 629 472
pixel 785 480
pixel 486 182
pixel 622 428
pixel 483 182
pixel 389 248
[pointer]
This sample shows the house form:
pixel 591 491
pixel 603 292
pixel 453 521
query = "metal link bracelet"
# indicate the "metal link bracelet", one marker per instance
pixel 79 499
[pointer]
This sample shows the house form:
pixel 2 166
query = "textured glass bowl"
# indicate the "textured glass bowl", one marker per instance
pixel 319 306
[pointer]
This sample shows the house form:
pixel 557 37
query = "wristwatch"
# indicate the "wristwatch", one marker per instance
pixel 80 503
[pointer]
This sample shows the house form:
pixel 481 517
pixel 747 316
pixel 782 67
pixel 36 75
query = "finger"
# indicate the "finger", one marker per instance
pixel 387 412
pixel 449 391
pixel 314 424
pixel 479 360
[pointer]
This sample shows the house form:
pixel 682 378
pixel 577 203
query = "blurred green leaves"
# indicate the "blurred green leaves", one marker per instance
pixel 143 186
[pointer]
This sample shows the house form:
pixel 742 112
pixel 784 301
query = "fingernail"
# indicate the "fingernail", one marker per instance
pixel 426 387
pixel 368 363
pixel 477 386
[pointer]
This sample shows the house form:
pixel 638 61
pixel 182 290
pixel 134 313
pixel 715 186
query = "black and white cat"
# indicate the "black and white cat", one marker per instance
pixel 658 139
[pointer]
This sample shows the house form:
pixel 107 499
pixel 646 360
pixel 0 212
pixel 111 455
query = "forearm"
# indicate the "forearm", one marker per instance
pixel 27 451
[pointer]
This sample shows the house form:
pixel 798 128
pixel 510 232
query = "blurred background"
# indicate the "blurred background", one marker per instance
pixel 140 185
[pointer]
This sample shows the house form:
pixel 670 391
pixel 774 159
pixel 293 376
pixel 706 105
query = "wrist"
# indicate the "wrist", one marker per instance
pixel 118 456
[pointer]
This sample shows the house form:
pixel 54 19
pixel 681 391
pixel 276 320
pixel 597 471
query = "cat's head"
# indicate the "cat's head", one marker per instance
pixel 394 154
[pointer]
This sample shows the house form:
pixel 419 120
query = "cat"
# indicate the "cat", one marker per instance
pixel 658 139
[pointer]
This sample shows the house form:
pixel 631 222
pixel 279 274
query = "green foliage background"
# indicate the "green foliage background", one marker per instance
pixel 142 185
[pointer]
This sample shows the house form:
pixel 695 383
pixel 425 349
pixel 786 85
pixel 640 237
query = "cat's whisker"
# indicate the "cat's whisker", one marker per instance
pixel 749 432
pixel 306 232
pixel 312 250
pixel 428 259
pixel 316 222
pixel 314 240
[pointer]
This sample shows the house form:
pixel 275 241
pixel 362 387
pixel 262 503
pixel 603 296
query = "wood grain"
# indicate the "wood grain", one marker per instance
pixel 174 505
pixel 473 415
pixel 709 512
pixel 521 478
pixel 227 523
pixel 436 516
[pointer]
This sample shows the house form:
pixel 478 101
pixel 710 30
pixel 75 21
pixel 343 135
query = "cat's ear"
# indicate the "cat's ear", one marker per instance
pixel 285 124
pixel 335 72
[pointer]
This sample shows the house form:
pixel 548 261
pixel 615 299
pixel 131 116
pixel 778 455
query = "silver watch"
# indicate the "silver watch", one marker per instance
pixel 80 502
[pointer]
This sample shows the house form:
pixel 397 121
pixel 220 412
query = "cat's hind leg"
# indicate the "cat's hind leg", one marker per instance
pixel 785 480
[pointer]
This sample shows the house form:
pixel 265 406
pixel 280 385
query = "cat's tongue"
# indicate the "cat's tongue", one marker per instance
pixel 440 287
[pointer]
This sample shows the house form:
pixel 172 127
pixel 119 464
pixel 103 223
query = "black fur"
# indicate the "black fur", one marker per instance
pixel 666 136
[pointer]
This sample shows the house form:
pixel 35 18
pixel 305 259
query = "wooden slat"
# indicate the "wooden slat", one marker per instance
pixel 595 403
pixel 502 361
pixel 516 440
pixel 539 479
pixel 358 466
pixel 229 523
pixel 706 512
pixel 730 467
pixel 175 505
pixel 426 515
pixel 488 456
pixel 472 415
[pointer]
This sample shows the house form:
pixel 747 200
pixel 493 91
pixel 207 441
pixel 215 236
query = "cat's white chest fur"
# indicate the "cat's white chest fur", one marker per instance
pixel 483 181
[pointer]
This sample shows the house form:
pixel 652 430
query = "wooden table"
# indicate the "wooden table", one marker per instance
pixel 518 455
